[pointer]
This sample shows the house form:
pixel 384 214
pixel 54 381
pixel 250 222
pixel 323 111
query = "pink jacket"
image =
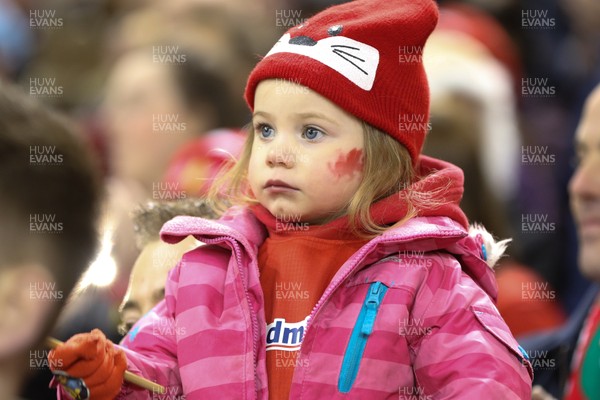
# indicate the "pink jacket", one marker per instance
pixel 411 315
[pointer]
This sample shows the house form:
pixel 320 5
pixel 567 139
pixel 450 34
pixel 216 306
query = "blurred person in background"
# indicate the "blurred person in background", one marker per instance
pixel 68 54
pixel 575 348
pixel 95 35
pixel 172 81
pixel 577 58
pixel 562 57
pixel 149 275
pixel 558 44
pixel 154 108
pixel 470 62
pixel 49 197
pixel 193 168
pixel 189 66
pixel 205 157
pixel 584 189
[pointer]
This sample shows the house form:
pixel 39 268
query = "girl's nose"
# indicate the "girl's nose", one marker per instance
pixel 281 153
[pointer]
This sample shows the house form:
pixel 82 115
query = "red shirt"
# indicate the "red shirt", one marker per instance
pixel 296 263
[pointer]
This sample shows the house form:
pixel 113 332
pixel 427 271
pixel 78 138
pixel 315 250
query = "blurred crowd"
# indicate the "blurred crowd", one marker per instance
pixel 155 88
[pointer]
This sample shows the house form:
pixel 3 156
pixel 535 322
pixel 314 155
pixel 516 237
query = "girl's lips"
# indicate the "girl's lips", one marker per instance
pixel 277 185
pixel 279 189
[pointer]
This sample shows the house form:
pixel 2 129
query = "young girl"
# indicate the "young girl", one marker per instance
pixel 346 271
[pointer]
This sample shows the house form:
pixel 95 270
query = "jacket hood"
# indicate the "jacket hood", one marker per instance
pixel 437 192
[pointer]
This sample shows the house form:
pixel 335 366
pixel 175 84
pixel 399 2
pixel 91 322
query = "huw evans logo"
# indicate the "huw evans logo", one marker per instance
pixel 413 123
pixel 168 191
pixel 537 87
pixel 168 55
pixel 290 223
pixel 290 291
pixel 537 19
pixel 168 123
pixel 410 54
pixel 44 19
pixel 282 86
pixel 45 291
pixel 537 155
pixel 413 393
pixel 413 327
pixel 289 18
pixel 45 87
pixel 414 258
pixel 286 336
pixel 38 359
pixel 44 155
pixel 169 393
pixel 44 223
pixel 541 359
pixel 287 359
pixel 537 291
pixel 536 223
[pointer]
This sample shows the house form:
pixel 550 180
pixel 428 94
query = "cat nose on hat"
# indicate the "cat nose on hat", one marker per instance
pixel 303 40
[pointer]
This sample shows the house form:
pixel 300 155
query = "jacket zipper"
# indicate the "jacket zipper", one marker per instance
pixel 360 334
pixel 255 330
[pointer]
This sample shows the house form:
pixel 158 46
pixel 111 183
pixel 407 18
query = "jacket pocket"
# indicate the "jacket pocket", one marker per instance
pixel 360 334
pixel 495 325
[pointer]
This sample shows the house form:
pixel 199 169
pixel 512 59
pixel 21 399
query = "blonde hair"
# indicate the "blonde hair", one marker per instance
pixel 387 169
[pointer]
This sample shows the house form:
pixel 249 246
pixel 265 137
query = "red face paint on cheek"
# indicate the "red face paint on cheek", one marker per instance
pixel 347 164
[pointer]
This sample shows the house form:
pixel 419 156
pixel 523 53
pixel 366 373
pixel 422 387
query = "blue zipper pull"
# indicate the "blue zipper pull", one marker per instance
pixel 360 334
pixel 372 304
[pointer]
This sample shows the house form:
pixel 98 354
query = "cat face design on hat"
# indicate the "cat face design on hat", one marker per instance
pixel 354 60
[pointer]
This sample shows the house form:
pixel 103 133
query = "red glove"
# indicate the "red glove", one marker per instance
pixel 94 359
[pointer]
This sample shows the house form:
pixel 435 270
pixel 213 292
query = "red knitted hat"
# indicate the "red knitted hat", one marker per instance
pixel 366 57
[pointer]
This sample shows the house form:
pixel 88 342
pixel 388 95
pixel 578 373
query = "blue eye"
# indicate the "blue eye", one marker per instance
pixel 311 133
pixel 264 130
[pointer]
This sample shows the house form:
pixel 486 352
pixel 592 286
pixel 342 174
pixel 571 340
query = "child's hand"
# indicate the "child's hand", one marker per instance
pixel 94 359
